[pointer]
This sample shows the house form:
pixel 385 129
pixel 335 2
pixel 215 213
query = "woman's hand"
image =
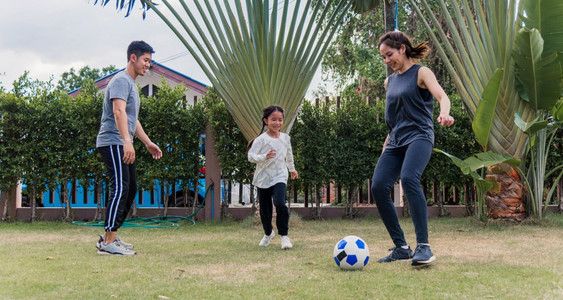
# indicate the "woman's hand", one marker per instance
pixel 446 120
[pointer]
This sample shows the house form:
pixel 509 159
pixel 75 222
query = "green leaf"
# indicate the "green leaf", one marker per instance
pixel 364 6
pixel 538 79
pixel 557 111
pixel 530 128
pixel 485 113
pixel 545 16
pixel 470 165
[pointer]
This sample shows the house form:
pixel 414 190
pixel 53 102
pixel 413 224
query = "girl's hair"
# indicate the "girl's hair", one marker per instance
pixel 266 112
pixel 395 39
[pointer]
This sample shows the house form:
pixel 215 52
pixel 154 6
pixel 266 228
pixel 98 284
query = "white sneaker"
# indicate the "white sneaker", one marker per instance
pixel 267 239
pixel 121 242
pixel 285 243
pixel 114 249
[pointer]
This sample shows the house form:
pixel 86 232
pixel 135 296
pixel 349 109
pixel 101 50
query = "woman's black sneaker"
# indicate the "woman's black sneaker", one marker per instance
pixel 422 255
pixel 397 253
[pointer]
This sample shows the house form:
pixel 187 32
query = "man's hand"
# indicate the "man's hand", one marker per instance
pixel 154 150
pixel 128 152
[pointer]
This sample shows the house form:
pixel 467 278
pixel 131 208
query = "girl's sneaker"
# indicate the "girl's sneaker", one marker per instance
pixel 285 243
pixel 422 255
pixel 267 239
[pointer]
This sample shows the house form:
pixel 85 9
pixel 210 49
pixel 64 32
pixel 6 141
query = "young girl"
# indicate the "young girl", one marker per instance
pixel 272 154
pixel 407 149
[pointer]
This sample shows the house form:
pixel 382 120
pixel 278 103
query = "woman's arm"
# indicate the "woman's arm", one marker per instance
pixel 427 80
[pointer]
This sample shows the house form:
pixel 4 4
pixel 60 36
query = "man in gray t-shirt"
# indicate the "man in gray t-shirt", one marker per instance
pixel 119 124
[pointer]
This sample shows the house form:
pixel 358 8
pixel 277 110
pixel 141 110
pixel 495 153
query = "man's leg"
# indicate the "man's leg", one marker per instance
pixel 119 189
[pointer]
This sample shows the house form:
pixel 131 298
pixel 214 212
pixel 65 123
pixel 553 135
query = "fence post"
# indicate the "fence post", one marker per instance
pixel 212 176
pixel 11 200
pixel 398 195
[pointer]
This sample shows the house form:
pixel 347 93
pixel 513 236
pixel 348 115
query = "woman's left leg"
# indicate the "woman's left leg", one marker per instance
pixel 416 158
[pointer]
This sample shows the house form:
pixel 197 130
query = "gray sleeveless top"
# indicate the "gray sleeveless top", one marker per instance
pixel 408 109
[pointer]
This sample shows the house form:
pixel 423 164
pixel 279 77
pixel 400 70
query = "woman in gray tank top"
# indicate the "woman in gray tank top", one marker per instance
pixel 408 146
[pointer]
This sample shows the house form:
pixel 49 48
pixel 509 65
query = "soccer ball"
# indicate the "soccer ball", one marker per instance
pixel 351 253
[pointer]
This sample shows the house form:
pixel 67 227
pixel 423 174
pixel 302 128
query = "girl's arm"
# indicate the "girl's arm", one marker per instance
pixel 427 80
pixel 253 155
pixel 289 160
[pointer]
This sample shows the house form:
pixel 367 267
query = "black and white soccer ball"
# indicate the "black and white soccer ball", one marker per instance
pixel 351 253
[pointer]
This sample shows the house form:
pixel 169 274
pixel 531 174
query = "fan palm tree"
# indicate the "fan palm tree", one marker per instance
pixel 254 52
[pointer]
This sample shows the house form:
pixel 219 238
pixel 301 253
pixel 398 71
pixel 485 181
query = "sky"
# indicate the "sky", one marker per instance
pixel 48 38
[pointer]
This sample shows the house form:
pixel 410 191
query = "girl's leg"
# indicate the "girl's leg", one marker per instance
pixel 266 210
pixel 282 212
pixel 385 175
pixel 416 158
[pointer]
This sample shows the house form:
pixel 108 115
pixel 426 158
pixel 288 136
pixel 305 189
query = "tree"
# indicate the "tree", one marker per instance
pixel 11 158
pixel 38 166
pixel 266 55
pixel 353 57
pixel 73 79
pixel 90 170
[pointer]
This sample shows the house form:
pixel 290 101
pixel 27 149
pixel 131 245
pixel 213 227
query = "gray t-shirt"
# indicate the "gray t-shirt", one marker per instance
pixel 121 86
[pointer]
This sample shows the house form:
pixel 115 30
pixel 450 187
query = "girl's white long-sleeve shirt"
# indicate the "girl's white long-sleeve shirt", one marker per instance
pixel 274 170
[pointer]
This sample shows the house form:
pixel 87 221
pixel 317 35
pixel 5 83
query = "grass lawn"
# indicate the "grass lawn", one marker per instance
pixel 220 260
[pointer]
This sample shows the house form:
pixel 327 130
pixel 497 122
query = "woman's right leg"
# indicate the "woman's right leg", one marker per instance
pixel 385 175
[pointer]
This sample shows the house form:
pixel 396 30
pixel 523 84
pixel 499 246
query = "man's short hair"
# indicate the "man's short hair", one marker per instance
pixel 138 48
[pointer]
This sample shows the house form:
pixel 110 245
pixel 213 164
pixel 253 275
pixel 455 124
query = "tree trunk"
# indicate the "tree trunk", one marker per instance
pixel 32 203
pixel 99 208
pixel 5 207
pixel 164 198
pixel 306 197
pixel 389 17
pixel 317 208
pixel 504 200
pixel 66 200
pixel 240 191
pixel 443 199
pixel 559 196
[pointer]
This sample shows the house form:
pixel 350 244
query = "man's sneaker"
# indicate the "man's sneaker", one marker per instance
pixel 422 255
pixel 285 243
pixel 114 249
pixel 397 253
pixel 123 243
pixel 100 241
pixel 267 239
pixel 119 241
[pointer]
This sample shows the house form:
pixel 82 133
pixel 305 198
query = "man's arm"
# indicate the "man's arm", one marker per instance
pixel 151 147
pixel 121 122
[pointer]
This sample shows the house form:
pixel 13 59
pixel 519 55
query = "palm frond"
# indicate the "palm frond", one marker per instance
pixel 255 52
pixel 481 42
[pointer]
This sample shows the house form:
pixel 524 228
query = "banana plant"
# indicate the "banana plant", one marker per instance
pixel 475 167
pixel 538 70
pixel 515 45
pixel 254 52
